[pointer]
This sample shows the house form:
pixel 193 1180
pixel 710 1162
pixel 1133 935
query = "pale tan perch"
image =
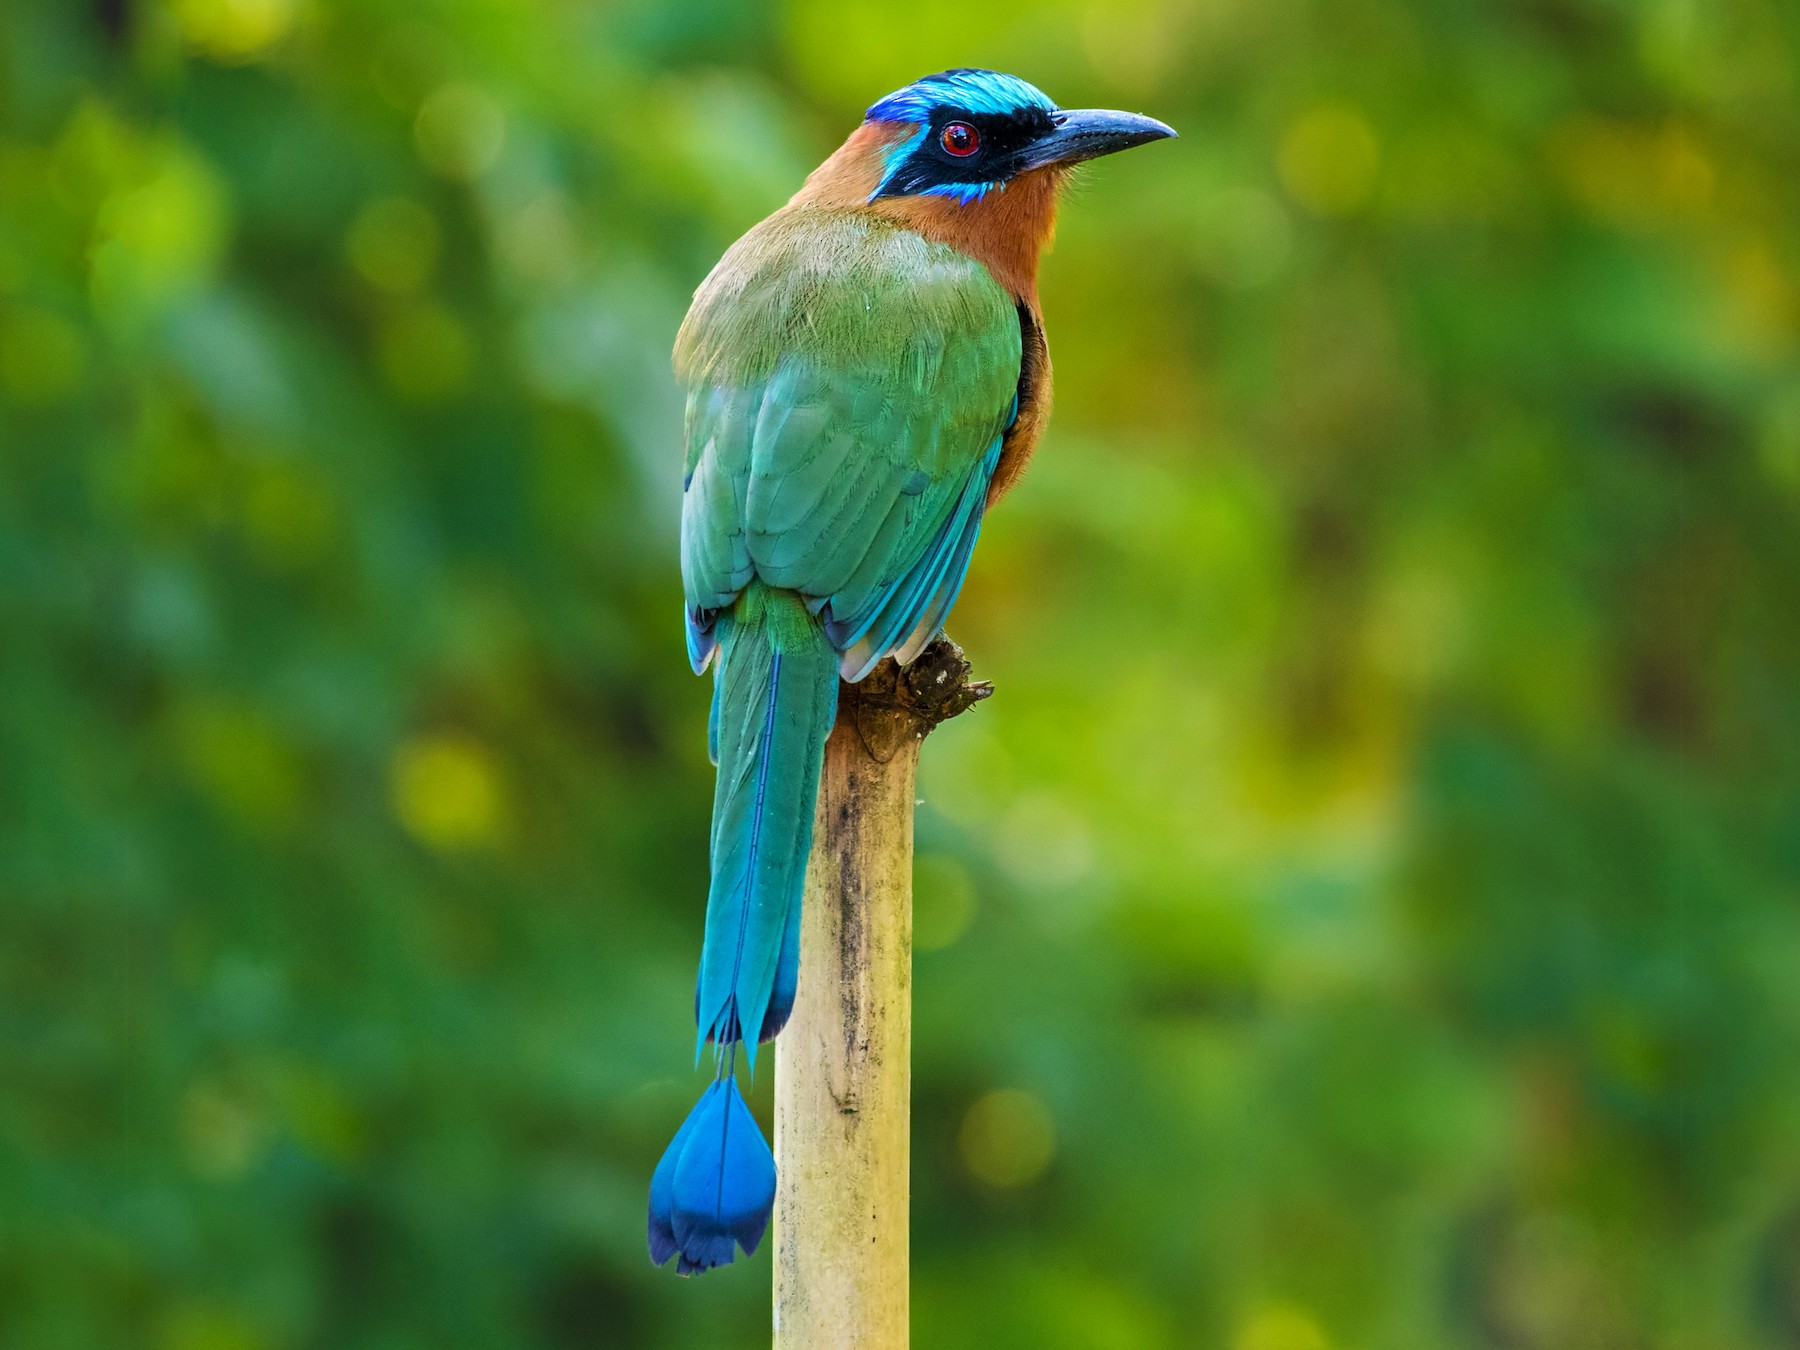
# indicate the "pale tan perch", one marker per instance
pixel 843 1066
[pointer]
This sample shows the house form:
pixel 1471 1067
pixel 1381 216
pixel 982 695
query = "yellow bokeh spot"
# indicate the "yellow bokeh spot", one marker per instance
pixel 42 356
pixel 289 517
pixel 1762 304
pixel 1633 173
pixel 1684 171
pixel 1329 158
pixel 235 30
pixel 425 352
pixel 393 244
pixel 158 234
pixel 447 792
pixel 460 130
pixel 539 240
pixel 1007 1139
pixel 241 759
pixel 1281 1328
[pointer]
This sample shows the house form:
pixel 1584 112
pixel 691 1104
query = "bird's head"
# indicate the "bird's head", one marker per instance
pixel 973 159
pixel 971 132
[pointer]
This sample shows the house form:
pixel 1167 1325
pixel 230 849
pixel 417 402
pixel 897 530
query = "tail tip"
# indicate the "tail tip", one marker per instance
pixel 714 1190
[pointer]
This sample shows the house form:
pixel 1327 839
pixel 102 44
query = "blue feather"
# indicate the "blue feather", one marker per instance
pixel 963 193
pixel 662 1189
pixel 714 1189
pixel 974 91
pixel 787 978
pixel 700 640
pixel 900 151
pixel 902 617
pixel 775 697
pixel 712 740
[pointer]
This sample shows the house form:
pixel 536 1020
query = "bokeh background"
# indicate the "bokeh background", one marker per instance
pixel 1368 916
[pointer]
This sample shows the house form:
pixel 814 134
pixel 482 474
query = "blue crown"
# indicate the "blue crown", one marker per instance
pixel 974 91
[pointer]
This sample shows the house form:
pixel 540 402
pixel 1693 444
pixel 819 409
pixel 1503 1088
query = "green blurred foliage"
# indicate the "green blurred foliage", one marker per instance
pixel 1366 917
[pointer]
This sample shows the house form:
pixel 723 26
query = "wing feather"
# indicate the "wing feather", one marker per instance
pixel 849 382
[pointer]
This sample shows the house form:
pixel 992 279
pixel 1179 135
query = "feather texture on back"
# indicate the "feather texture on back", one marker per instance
pixel 847 381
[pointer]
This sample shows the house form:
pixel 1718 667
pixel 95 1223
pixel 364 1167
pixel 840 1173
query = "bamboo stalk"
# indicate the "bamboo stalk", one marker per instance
pixel 843 1065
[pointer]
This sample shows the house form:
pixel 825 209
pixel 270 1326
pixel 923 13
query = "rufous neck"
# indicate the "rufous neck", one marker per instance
pixel 1006 230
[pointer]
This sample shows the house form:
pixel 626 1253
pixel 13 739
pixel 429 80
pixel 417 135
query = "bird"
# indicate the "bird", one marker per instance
pixel 866 375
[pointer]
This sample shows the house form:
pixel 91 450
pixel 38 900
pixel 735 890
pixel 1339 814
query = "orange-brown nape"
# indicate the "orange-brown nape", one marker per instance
pixel 1007 230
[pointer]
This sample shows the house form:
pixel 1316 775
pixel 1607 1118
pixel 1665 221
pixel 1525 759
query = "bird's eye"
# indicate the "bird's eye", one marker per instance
pixel 960 139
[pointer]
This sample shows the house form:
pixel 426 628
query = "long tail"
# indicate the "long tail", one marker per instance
pixel 774 699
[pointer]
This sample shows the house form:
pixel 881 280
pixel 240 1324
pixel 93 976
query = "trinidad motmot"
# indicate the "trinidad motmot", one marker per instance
pixel 866 375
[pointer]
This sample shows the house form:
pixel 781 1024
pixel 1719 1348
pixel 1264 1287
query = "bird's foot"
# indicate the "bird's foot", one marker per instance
pixel 894 704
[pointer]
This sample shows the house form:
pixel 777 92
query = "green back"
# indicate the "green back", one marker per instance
pixel 846 379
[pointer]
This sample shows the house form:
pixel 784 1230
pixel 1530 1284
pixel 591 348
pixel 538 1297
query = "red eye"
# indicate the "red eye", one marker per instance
pixel 960 139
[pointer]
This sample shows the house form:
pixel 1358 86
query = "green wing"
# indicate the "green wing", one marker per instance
pixel 848 386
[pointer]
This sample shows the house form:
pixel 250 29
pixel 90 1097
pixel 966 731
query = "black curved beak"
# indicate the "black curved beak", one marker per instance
pixel 1088 133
